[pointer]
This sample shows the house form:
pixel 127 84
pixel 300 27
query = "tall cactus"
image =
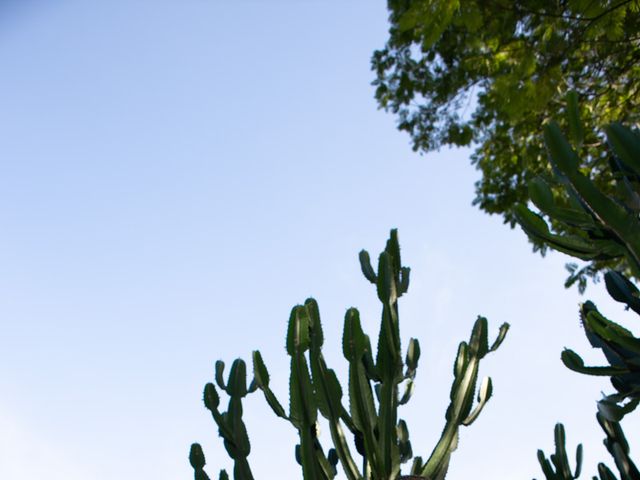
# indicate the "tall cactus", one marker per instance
pixel 376 390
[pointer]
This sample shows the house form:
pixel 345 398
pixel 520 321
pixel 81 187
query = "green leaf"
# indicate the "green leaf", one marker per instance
pixel 220 375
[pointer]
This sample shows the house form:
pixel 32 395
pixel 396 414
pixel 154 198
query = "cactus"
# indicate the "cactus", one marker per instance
pixel 376 389
pixel 559 460
pixel 231 427
pixel 602 227
pixel 557 467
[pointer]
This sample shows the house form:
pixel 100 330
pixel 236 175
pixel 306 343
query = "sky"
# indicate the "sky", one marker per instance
pixel 177 175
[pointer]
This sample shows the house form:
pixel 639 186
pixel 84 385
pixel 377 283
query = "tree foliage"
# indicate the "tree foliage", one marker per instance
pixel 489 73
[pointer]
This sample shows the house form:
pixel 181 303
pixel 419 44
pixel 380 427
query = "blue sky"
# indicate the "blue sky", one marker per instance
pixel 175 176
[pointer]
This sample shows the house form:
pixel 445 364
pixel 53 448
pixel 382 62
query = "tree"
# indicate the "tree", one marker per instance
pixel 490 73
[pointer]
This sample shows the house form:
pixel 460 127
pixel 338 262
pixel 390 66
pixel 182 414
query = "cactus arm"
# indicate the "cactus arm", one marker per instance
pixel 363 413
pixel 617 445
pixel 261 376
pixel 197 460
pixel 622 351
pixel 231 427
pixel 574 362
pixel 484 394
pixel 303 416
pixel 328 393
pixel 605 473
pixel 360 395
pixel 459 412
pixel 343 452
pixel 439 458
pixel 460 402
pixel 211 401
pixel 220 375
pixel 413 355
pixel 303 407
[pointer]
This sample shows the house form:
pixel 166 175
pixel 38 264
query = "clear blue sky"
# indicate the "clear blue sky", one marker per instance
pixel 176 175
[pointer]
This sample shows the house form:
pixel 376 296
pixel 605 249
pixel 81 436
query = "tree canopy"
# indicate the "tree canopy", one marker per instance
pixel 489 73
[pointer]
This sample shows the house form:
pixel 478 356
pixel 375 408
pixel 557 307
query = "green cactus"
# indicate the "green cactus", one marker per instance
pixel 618 447
pixel 602 227
pixel 376 390
pixel 557 467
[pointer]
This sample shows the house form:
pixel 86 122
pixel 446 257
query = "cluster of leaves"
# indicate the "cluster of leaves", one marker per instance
pixel 380 437
pixel 489 73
